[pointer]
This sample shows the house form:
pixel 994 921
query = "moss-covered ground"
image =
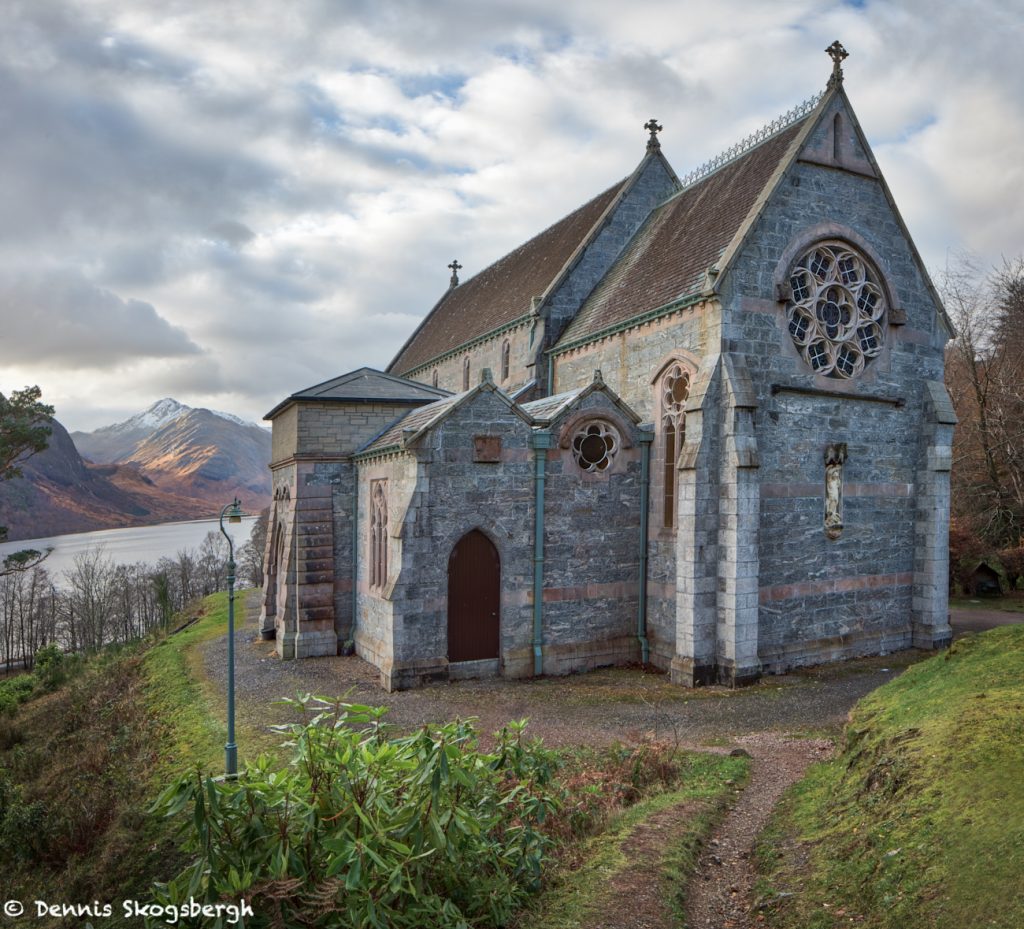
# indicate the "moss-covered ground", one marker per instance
pixel 919 821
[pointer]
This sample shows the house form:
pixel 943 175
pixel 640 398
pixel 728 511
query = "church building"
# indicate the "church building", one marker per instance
pixel 698 423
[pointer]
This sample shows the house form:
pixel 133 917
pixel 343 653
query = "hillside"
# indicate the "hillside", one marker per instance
pixel 167 463
pixel 920 819
pixel 59 493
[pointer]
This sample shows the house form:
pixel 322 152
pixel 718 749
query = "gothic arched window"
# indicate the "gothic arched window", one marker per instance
pixel 465 373
pixel 836 312
pixel 674 389
pixel 378 533
pixel 506 353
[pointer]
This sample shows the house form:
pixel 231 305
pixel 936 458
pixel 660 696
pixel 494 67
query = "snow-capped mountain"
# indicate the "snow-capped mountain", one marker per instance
pixel 188 452
pixel 168 462
pixel 118 442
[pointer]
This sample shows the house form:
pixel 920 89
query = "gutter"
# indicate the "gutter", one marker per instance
pixel 541 442
pixel 646 438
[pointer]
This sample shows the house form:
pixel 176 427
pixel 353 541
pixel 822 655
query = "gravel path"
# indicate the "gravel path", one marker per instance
pixel 721 894
pixel 597 708
pixel 978 619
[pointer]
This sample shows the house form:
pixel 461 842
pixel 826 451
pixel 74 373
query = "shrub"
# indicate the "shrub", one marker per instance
pixel 23 826
pixel 367 829
pixel 50 667
pixel 14 691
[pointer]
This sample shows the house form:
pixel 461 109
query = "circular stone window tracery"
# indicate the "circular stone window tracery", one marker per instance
pixel 836 314
pixel 594 446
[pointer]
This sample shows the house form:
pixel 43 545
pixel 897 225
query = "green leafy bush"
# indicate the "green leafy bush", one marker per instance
pixel 14 691
pixel 367 829
pixel 23 826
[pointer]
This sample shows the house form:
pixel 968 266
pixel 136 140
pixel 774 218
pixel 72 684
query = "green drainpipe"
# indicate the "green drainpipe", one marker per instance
pixel 355 551
pixel 541 443
pixel 645 483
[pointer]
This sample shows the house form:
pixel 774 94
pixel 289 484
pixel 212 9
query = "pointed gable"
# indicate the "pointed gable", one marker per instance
pixel 501 293
pixel 670 255
pixel 417 422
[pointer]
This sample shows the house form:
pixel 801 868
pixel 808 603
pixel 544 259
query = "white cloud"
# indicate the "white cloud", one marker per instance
pixel 279 187
pixel 60 318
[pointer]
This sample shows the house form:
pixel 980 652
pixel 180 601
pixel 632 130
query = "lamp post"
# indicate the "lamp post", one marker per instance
pixel 233 511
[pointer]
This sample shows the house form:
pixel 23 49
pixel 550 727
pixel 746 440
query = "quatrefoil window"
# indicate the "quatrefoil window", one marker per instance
pixel 836 315
pixel 594 446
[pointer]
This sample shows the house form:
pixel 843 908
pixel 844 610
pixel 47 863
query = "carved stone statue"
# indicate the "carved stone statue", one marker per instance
pixel 835 455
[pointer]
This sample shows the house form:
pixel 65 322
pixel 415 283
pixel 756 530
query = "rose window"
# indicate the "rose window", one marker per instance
pixel 594 446
pixel 837 310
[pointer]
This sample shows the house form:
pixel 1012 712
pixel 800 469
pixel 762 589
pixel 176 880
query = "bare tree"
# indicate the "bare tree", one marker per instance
pixel 985 376
pixel 91 593
pixel 250 555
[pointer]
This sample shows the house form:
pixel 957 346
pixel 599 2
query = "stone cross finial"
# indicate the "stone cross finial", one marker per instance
pixel 837 53
pixel 653 128
pixel 455 267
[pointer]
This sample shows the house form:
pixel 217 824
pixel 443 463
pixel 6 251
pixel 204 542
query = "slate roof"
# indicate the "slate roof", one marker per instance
pixel 668 257
pixel 502 292
pixel 365 385
pixel 415 420
pixel 547 408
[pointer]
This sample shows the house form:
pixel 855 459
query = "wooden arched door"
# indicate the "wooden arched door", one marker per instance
pixel 474 598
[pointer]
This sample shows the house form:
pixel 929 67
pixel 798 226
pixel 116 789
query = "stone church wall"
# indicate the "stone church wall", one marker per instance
pixel 591 548
pixel 653 185
pixel 374 637
pixel 336 429
pixel 823 598
pixel 628 362
pixel 453 495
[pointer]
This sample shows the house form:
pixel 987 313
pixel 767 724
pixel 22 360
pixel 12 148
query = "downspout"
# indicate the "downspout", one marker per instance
pixel 646 438
pixel 355 553
pixel 541 441
pixel 295 529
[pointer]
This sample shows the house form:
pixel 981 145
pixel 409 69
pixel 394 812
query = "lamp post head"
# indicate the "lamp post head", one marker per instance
pixel 235 511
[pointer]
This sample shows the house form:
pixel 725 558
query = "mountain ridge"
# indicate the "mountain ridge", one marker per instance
pixel 166 463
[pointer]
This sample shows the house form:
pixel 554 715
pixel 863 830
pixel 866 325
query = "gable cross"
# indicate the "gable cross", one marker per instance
pixel 837 53
pixel 455 267
pixel 653 128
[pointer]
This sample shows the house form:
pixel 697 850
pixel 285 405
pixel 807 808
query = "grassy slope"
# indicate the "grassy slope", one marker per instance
pixel 920 820
pixel 97 751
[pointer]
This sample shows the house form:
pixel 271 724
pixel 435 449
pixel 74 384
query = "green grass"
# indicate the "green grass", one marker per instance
pixel 579 887
pixel 920 820
pixel 185 714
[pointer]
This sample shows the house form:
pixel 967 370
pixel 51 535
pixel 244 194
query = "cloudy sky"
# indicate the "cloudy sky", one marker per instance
pixel 227 201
